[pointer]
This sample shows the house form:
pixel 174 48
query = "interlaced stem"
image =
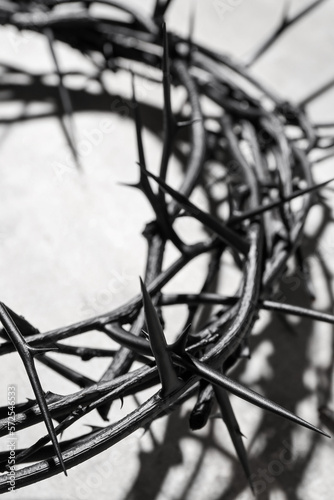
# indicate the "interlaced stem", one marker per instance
pixel 261 168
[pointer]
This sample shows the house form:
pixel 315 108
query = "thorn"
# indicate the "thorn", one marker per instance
pixel 222 231
pixel 136 185
pixel 23 325
pixel 269 206
pixel 144 185
pixel 94 428
pixel 234 430
pixel 138 123
pixel 179 346
pixel 146 428
pixel 160 210
pixel 168 377
pixel 216 378
pixel 24 351
pixel 103 411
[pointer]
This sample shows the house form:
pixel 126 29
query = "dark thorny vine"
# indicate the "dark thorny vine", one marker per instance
pixel 262 145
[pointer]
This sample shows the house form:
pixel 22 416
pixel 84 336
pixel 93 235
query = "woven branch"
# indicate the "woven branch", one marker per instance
pixel 263 167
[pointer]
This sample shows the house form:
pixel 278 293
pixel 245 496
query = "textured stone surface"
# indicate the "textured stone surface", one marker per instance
pixel 71 247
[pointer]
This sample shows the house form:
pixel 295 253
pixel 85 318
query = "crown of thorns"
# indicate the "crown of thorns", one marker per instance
pixel 262 145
